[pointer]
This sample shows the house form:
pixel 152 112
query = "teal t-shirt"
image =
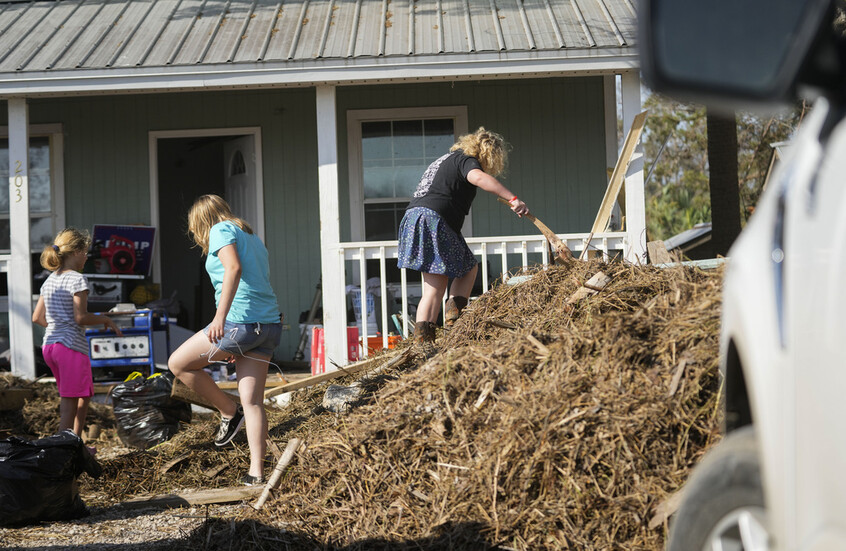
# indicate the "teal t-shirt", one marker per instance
pixel 255 301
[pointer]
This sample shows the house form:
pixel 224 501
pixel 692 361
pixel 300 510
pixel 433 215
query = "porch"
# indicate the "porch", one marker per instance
pixel 512 254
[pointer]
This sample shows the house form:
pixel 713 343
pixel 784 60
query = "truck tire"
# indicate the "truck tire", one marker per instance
pixel 723 502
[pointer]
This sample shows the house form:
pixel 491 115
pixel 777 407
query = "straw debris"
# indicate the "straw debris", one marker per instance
pixel 540 424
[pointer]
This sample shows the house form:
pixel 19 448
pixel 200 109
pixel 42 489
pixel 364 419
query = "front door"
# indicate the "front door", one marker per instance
pixel 240 181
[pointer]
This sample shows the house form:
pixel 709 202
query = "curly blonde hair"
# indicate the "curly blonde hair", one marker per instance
pixel 67 241
pixel 489 148
pixel 207 211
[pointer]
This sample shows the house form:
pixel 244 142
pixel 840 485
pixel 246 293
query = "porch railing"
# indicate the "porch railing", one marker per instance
pixel 508 253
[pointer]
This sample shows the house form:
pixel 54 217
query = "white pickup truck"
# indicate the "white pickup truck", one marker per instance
pixel 778 479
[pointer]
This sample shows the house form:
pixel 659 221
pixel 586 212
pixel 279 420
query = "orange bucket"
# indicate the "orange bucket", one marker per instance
pixel 374 344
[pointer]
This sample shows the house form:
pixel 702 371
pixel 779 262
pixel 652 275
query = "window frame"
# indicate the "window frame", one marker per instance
pixel 355 117
pixel 56 140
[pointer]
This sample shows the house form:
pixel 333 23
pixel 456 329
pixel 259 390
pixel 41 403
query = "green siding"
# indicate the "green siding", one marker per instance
pixel 556 130
pixel 107 170
pixel 557 164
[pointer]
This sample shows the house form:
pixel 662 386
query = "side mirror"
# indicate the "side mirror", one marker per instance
pixel 739 52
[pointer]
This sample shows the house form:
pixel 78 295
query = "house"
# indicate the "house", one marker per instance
pixel 314 118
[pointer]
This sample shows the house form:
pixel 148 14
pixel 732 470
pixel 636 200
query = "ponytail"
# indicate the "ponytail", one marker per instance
pixel 69 240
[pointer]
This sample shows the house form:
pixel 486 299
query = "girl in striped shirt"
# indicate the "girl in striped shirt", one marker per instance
pixel 63 309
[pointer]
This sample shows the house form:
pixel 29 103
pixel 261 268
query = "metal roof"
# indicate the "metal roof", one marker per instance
pixel 47 42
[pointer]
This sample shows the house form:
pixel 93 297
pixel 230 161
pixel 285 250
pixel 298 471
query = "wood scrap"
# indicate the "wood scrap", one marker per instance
pixel 174 462
pixel 396 358
pixel 212 472
pixel 665 509
pixel 674 383
pixel 502 324
pixel 619 174
pixel 193 497
pixel 276 476
pixel 595 284
pixel 274 449
pixel 658 253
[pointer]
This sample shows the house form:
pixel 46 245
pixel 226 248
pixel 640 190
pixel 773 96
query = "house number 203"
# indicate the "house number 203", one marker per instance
pixel 19 181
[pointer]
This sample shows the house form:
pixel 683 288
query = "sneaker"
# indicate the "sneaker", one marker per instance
pixel 250 480
pixel 229 428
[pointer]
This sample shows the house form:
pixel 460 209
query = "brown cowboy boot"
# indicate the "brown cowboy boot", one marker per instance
pixel 424 331
pixel 453 309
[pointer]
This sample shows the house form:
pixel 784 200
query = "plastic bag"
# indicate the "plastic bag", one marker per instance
pixel 38 478
pixel 145 412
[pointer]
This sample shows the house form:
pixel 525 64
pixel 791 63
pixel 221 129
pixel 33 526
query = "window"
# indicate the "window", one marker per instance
pixel 45 189
pixel 389 150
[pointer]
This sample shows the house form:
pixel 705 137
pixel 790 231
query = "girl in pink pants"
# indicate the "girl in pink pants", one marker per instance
pixel 63 309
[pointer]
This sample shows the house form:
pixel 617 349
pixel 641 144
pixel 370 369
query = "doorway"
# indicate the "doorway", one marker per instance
pixel 184 166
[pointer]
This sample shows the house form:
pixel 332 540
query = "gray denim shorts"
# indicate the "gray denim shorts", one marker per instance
pixel 240 338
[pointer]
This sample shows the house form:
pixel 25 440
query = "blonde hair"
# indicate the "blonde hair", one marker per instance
pixel 489 148
pixel 67 241
pixel 207 211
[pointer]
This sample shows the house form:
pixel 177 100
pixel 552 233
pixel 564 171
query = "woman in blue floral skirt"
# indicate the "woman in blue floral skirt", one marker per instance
pixel 430 238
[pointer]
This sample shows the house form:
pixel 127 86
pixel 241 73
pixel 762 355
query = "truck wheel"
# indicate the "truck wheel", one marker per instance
pixel 723 503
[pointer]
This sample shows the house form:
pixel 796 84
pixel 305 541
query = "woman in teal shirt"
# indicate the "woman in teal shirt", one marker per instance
pixel 246 326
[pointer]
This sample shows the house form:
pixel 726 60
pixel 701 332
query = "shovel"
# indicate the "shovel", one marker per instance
pixel 563 255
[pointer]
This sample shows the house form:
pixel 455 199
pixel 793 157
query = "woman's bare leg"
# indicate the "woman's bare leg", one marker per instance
pixel 434 286
pixel 462 286
pixel 252 375
pixel 187 364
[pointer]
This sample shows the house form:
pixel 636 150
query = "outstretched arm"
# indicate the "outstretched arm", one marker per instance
pixel 485 181
pixel 82 316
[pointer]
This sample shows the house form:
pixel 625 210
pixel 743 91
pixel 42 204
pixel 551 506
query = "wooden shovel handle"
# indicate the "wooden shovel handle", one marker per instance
pixel 560 247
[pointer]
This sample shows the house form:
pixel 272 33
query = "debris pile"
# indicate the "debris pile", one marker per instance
pixel 542 423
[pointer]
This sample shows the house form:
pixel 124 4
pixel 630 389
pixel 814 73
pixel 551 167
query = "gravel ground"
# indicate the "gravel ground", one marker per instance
pixel 117 528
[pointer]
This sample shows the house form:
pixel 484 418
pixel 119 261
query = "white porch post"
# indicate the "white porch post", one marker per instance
pixel 334 300
pixel 20 264
pixel 635 192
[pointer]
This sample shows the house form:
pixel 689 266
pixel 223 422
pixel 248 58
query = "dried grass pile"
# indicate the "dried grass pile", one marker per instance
pixel 564 432
pixel 539 425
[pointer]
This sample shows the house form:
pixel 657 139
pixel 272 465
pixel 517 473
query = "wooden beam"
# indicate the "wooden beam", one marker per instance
pixel 194 497
pixel 619 174
pixel 395 359
pixel 276 476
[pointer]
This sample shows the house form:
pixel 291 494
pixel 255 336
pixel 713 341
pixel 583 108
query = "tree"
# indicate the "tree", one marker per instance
pixel 677 187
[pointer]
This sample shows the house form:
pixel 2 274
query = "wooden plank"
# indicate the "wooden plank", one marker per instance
pixel 658 253
pixel 619 174
pixel 194 497
pixel 395 359
pixel 14 398
pixel 591 287
pixel 276 476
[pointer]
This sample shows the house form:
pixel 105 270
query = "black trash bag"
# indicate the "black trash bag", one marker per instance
pixel 145 412
pixel 38 478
